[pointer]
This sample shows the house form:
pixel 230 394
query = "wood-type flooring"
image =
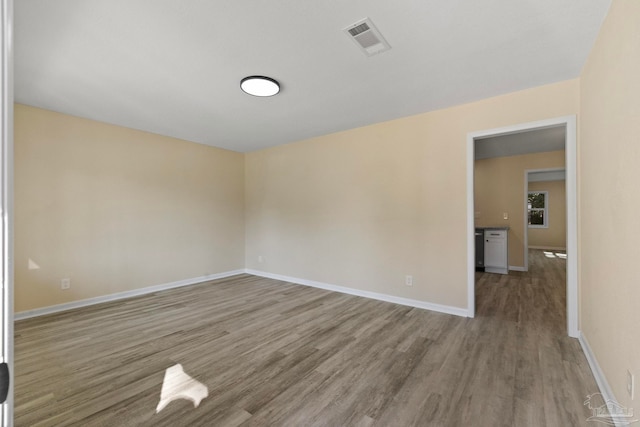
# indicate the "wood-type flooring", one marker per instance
pixel 273 353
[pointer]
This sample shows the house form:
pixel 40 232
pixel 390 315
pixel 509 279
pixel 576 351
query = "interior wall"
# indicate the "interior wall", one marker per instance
pixel 555 236
pixel 115 209
pixel 365 207
pixel 499 184
pixel 609 155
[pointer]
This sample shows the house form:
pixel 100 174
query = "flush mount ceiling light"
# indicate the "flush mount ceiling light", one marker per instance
pixel 260 86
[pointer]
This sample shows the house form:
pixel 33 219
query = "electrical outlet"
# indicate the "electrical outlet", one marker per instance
pixel 260 259
pixel 505 215
pixel 408 280
pixel 630 384
pixel 65 283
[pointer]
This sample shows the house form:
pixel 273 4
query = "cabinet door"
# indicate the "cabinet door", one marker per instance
pixel 495 253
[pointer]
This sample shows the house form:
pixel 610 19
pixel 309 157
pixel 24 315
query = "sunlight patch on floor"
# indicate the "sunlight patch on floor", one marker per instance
pixel 555 255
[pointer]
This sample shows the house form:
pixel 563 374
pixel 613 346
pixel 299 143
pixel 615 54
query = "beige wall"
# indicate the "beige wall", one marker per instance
pixel 609 174
pixel 365 207
pixel 116 209
pixel 499 188
pixel 555 236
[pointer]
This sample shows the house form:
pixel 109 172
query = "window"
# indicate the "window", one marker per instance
pixel 538 205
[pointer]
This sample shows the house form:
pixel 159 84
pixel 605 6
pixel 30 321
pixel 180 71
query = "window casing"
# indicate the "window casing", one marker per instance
pixel 538 209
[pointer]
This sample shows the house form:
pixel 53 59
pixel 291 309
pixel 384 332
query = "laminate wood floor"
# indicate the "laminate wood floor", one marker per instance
pixel 277 354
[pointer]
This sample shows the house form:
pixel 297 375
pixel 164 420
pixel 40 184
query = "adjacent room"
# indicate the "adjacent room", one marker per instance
pixel 308 214
pixel 520 214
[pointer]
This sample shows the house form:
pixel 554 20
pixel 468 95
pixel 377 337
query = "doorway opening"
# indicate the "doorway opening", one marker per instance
pixel 545 211
pixel 568 126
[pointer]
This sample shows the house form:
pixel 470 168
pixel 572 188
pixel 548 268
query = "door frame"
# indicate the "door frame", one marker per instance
pixel 572 208
pixel 526 206
pixel 6 202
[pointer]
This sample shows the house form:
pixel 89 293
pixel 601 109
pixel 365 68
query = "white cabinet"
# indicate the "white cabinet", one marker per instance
pixel 495 251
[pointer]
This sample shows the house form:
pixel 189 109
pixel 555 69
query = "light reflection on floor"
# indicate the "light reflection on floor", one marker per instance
pixel 178 385
pixel 555 255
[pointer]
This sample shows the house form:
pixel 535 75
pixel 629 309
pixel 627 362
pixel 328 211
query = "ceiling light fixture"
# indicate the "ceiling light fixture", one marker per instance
pixel 260 86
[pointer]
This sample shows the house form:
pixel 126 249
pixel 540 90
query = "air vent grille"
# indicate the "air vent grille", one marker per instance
pixel 359 29
pixel 367 37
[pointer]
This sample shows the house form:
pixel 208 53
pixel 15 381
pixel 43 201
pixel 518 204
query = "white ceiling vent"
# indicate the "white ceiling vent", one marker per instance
pixel 367 37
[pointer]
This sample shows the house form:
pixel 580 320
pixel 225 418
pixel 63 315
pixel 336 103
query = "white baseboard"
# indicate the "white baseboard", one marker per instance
pixel 551 248
pixel 516 268
pixel 367 294
pixel 601 380
pixel 121 295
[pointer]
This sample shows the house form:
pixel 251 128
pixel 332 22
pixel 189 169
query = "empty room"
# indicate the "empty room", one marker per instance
pixel 292 213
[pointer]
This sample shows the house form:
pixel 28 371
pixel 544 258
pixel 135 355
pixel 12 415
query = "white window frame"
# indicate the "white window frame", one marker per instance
pixel 545 210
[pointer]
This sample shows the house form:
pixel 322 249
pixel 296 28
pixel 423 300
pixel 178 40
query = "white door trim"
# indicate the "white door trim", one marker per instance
pixel 526 203
pixel 572 218
pixel 6 202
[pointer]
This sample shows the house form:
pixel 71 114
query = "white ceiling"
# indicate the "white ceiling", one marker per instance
pixel 514 144
pixel 173 67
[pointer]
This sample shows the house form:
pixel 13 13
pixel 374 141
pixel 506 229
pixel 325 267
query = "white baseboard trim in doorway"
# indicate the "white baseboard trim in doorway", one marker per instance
pixel 366 294
pixel 121 295
pixel 516 268
pixel 601 380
